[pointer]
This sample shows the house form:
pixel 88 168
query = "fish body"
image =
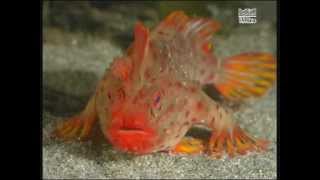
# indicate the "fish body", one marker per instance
pixel 152 95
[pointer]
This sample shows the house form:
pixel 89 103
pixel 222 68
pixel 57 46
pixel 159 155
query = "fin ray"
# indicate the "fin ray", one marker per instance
pixel 178 27
pixel 246 75
pixel 141 42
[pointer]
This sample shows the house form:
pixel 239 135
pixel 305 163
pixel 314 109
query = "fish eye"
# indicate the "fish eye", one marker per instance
pixel 109 95
pixel 156 101
pixel 121 93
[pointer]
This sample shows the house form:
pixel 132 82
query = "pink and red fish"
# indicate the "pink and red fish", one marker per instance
pixel 151 96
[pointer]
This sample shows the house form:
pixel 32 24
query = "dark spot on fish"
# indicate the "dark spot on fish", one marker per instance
pixel 199 105
pixel 193 89
pixel 187 113
pixel 186 123
pixel 194 119
pixel 101 89
pixel 162 92
pixel 202 71
pixel 147 73
pixel 178 84
pixel 166 147
pixel 121 93
pixel 152 112
pixel 153 80
pixel 170 108
pixel 135 100
pixel 104 77
pixel 141 93
pixel 161 33
pixel 166 130
pixel 157 100
pixel 162 66
pixel 212 119
pixel 210 77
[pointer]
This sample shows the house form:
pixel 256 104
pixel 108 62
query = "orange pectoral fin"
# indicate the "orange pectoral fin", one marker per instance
pixel 188 145
pixel 234 142
pixel 246 75
pixel 78 126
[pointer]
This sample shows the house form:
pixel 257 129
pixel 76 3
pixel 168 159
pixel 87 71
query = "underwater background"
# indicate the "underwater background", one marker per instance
pixel 80 40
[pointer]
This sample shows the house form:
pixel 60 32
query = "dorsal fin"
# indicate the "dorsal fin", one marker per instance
pixel 176 20
pixel 124 66
pixel 197 30
pixel 141 43
pixel 200 31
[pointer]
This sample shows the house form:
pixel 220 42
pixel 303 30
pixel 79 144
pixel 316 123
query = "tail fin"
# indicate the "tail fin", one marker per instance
pixel 246 75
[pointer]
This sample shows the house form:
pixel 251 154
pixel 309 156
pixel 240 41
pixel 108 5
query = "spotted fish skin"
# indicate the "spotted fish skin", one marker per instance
pixel 151 96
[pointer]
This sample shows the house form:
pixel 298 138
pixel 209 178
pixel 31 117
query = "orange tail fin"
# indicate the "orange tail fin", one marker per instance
pixel 246 75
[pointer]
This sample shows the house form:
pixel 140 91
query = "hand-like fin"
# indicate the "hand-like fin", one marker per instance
pixel 245 75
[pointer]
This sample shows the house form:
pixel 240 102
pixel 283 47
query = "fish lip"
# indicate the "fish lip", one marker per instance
pixel 132 139
pixel 132 130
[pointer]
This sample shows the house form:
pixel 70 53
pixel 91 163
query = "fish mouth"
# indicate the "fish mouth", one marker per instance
pixel 134 130
pixel 131 129
pixel 133 138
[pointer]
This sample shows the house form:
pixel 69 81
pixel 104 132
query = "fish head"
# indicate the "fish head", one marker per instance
pixel 144 117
